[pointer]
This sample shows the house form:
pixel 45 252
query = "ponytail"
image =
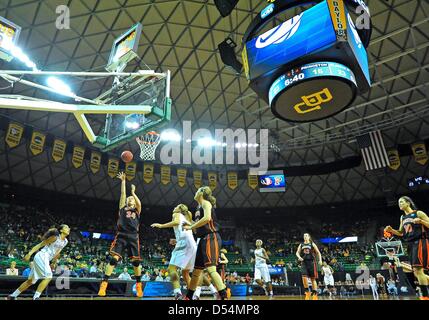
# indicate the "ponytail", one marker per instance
pixel 50 233
pixel 207 195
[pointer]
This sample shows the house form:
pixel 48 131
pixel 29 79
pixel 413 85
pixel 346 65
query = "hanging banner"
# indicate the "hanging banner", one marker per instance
pixel 58 150
pixel 420 153
pixel 37 143
pixel 130 170
pixel 212 180
pixel 165 174
pixel 148 172
pixel 394 159
pixel 181 177
pixel 198 178
pixel 232 180
pixel 78 156
pixel 252 181
pixel 113 167
pixel 14 134
pixel 95 162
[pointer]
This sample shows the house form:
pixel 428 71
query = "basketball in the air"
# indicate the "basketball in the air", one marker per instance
pixel 127 156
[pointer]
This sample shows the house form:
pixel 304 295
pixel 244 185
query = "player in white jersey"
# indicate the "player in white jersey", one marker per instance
pixel 328 274
pixel 48 251
pixel 184 252
pixel 261 269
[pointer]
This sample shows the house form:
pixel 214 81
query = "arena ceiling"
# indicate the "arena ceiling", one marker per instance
pixel 182 36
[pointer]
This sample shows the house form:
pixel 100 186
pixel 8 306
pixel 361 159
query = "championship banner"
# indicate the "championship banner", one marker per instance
pixel 113 167
pixel 130 170
pixel 232 180
pixel 148 172
pixel 394 159
pixel 37 143
pixel 181 177
pixel 198 178
pixel 212 180
pixel 58 150
pixel 78 156
pixel 420 153
pixel 252 181
pixel 165 174
pixel 95 162
pixel 14 135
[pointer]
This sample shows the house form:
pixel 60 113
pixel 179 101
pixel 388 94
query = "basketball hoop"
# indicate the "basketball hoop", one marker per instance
pixel 148 144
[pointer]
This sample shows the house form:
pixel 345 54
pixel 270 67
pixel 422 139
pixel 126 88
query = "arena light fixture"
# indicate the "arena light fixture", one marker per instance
pixel 225 7
pixel 61 87
pixel 171 135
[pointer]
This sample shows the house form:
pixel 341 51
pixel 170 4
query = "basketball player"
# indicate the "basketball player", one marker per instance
pixel 413 227
pixel 261 269
pixel 307 253
pixel 207 257
pixel 127 237
pixel 328 274
pixel 48 251
pixel 183 255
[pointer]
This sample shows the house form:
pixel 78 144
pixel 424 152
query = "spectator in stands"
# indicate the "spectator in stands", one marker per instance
pixel 93 270
pixel 125 276
pixel 12 271
pixel 159 278
pixel 146 276
pixel 391 287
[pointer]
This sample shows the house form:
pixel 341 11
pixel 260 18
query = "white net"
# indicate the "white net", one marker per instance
pixel 148 144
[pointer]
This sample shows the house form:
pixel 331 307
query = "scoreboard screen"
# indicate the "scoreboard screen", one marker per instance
pixel 9 34
pixel 125 48
pixel 273 181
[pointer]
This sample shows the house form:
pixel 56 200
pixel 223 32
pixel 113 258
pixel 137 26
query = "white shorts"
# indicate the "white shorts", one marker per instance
pixel 262 272
pixel 41 267
pixel 329 281
pixel 183 255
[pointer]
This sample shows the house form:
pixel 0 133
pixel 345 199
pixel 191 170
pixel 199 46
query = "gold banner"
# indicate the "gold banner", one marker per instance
pixel 181 177
pixel 252 181
pixel 58 150
pixel 130 170
pixel 338 15
pixel 95 162
pixel 148 172
pixel 37 143
pixel 78 156
pixel 232 180
pixel 113 167
pixel 14 134
pixel 198 178
pixel 420 153
pixel 212 180
pixel 394 159
pixel 165 174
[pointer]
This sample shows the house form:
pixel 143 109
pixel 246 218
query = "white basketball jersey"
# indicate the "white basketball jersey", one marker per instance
pixel 327 271
pixel 258 260
pixel 178 230
pixel 52 249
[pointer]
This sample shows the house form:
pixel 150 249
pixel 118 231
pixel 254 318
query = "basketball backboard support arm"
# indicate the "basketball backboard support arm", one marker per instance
pixel 162 113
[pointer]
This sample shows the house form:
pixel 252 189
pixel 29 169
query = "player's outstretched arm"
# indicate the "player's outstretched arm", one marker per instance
pixel 137 200
pixel 175 222
pixel 123 199
pixel 39 246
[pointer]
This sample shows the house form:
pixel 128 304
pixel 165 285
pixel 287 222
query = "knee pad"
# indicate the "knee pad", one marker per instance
pixel 136 264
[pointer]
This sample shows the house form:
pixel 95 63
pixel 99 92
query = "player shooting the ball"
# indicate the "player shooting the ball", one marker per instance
pixel 127 237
